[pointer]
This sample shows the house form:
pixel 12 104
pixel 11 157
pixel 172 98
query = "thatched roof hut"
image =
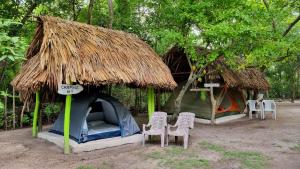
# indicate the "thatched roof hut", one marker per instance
pixel 249 78
pixel 230 96
pixel 66 51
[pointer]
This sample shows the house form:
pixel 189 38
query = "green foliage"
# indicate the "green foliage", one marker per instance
pixel 51 110
pixel 11 47
pixel 27 120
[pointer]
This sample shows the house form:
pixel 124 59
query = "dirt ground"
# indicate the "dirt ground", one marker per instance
pixel 240 144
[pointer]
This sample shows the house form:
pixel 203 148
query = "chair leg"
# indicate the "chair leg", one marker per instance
pixel 256 114
pixel 144 139
pixel 185 141
pixel 167 140
pixel 274 115
pixel 250 114
pixel 162 137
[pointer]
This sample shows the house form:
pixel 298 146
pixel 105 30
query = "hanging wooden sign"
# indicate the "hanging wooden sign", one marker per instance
pixel 65 89
pixel 211 84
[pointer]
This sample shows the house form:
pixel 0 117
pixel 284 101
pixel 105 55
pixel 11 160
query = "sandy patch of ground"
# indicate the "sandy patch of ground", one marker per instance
pixel 240 144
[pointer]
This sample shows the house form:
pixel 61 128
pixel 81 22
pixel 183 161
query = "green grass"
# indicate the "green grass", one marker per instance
pixel 176 157
pixel 104 165
pixel 247 159
pixel 212 147
pixel 296 147
pixel 155 155
pixel 85 167
pixel 186 163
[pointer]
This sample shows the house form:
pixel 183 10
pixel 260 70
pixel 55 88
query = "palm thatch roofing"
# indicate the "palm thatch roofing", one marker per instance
pixel 66 51
pixel 249 78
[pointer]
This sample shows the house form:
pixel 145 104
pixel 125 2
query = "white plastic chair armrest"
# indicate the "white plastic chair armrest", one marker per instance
pixel 146 125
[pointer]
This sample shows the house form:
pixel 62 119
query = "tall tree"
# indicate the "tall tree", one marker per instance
pixel 90 11
pixel 111 13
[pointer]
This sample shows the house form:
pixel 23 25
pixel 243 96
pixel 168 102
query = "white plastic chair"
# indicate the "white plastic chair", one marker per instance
pixel 269 106
pixel 251 104
pixel 157 124
pixel 184 123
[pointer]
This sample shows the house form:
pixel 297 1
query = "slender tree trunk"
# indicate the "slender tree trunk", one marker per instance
pixel 74 9
pixel 5 112
pixel 181 94
pixel 293 90
pixel 111 13
pixel 291 26
pixel 90 12
pixel 14 109
pixel 28 12
pixel 273 21
pixel 22 114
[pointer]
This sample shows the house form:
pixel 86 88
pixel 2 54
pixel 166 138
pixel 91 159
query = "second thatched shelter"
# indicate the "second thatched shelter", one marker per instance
pixel 230 96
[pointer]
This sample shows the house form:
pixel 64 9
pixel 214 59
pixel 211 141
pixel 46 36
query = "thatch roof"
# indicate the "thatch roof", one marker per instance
pixel 249 78
pixel 65 50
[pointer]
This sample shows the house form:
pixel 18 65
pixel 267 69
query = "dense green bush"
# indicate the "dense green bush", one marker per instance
pixel 51 110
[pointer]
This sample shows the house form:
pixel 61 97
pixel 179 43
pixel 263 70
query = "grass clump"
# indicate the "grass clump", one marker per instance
pixel 177 158
pixel 186 163
pixel 248 160
pixel 212 147
pixel 296 147
pixel 85 167
pixel 155 155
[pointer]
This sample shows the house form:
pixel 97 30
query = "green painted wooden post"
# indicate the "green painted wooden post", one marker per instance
pixel 67 124
pixel 151 99
pixel 35 114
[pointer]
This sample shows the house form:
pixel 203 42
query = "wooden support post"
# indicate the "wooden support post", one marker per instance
pixel 67 118
pixel 67 124
pixel 213 100
pixel 35 114
pixel 151 100
pixel 40 121
pixel 213 103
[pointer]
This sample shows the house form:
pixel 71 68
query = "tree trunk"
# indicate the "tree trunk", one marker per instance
pixel 14 109
pixel 28 12
pixel 181 94
pixel 5 112
pixel 22 114
pixel 293 90
pixel 90 11
pixel 15 30
pixel 111 13
pixel 74 9
pixel 291 26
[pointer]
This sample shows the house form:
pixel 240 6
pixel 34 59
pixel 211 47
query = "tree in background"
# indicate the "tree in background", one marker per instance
pixel 254 31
